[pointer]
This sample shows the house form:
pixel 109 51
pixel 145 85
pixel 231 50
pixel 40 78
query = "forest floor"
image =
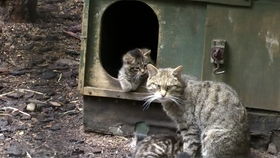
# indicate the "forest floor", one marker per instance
pixel 41 112
pixel 39 67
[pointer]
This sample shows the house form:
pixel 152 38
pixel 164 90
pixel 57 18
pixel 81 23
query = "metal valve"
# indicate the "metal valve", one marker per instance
pixel 217 55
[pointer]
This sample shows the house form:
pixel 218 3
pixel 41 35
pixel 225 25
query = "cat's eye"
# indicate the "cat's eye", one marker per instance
pixel 171 87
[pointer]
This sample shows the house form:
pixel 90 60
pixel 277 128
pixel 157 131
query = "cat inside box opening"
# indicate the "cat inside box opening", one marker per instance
pixel 127 25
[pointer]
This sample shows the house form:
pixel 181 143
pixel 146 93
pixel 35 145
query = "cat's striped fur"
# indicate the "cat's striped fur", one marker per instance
pixel 159 146
pixel 134 69
pixel 208 114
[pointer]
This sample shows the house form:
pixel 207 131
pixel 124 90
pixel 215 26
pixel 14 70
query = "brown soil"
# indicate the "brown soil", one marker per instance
pixel 39 65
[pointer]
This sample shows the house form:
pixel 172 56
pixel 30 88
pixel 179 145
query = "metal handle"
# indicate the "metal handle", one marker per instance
pixel 217 55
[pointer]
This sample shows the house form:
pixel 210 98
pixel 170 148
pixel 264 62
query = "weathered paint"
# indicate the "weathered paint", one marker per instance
pixel 186 29
pixel 180 36
pixel 252 61
pixel 272 45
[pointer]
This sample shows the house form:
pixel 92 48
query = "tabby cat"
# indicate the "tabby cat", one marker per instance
pixel 209 115
pixel 133 71
pixel 159 146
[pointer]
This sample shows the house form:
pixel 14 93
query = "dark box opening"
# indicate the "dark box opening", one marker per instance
pixel 127 25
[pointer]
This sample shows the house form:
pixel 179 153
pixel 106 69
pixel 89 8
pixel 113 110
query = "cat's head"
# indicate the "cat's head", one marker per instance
pixel 136 61
pixel 165 84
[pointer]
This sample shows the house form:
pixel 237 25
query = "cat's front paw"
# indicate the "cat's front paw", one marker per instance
pixel 126 86
pixel 183 155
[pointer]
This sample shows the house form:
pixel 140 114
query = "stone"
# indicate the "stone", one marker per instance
pixel 2 136
pixel 272 149
pixel 31 107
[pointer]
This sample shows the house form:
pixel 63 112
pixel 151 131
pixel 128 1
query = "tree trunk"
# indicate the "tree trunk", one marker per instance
pixel 18 10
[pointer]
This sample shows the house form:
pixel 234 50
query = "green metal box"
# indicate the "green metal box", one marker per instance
pixel 179 32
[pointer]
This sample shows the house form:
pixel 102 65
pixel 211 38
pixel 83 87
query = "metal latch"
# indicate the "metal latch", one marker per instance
pixel 217 55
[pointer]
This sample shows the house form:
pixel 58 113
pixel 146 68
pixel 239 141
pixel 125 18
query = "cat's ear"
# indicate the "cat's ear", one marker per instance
pixel 152 70
pixel 146 52
pixel 178 71
pixel 128 59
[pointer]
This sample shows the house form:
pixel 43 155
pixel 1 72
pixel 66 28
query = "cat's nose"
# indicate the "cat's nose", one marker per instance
pixel 163 93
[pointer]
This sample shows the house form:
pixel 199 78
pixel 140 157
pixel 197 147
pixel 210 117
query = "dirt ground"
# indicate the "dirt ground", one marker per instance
pixel 40 108
pixel 39 67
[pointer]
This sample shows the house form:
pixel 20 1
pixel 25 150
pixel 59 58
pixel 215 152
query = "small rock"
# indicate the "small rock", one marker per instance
pixel 48 75
pixel 2 137
pixel 55 103
pixel 272 149
pixel 31 107
pixel 16 150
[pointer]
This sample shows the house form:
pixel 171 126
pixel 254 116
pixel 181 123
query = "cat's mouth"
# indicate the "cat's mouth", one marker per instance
pixel 151 98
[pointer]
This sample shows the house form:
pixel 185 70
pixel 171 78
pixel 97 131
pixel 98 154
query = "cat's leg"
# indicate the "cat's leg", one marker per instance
pixel 125 85
pixel 224 143
pixel 191 141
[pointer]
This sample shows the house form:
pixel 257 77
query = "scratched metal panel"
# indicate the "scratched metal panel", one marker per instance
pixel 252 61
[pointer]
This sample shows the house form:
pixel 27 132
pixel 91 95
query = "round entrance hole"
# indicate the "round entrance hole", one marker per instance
pixel 126 25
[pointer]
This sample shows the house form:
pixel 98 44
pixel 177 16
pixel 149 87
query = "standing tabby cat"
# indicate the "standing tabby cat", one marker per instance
pixel 133 71
pixel 209 115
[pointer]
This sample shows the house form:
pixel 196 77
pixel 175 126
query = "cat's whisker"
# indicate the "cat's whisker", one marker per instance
pixel 176 100
pixel 149 100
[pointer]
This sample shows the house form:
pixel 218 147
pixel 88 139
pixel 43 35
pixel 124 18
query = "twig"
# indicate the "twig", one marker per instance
pixel 15 110
pixel 72 34
pixel 36 101
pixel 28 90
pixel 70 111
pixel 59 78
pixel 28 155
pixel 6 115
pixel 4 94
